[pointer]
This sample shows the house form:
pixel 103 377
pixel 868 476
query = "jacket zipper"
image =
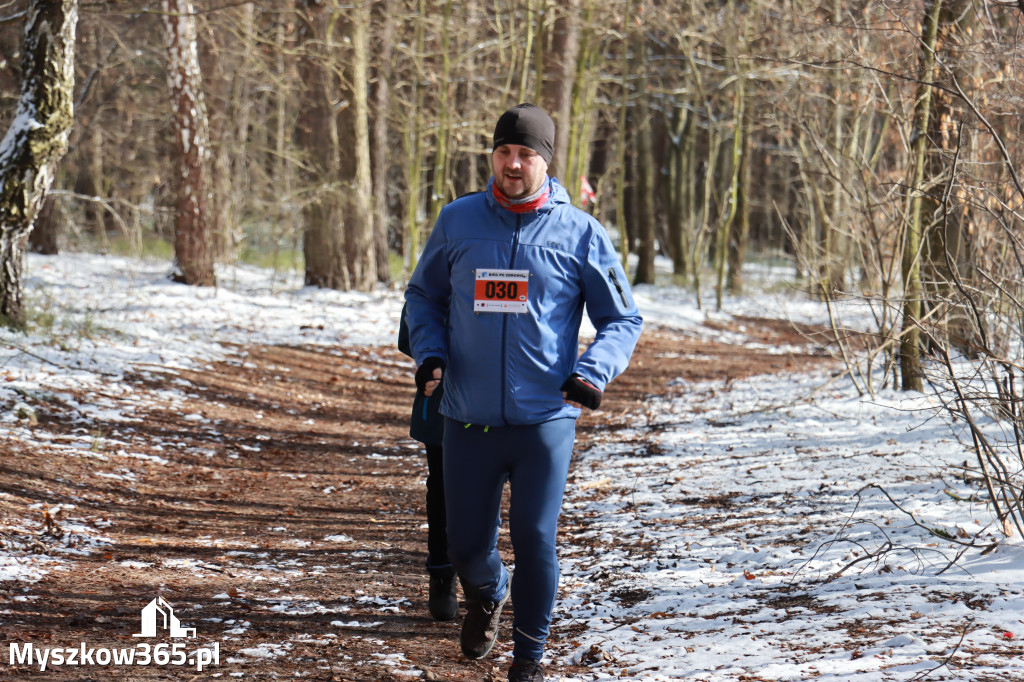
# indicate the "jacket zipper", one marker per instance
pixel 504 322
pixel 622 293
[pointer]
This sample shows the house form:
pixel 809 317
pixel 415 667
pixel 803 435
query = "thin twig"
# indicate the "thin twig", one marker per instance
pixel 963 634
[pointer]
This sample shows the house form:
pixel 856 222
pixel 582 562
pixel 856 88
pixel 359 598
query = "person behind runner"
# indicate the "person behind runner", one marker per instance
pixel 494 311
pixel 427 426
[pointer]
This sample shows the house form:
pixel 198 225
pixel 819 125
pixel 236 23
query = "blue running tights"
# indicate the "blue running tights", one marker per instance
pixel 534 460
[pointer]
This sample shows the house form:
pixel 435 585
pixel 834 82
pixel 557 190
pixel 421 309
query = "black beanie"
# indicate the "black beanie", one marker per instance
pixel 529 126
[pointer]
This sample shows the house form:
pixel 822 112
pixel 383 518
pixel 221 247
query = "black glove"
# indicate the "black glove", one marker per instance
pixel 579 390
pixel 425 372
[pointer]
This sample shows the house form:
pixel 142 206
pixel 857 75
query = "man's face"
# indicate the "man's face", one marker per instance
pixel 518 171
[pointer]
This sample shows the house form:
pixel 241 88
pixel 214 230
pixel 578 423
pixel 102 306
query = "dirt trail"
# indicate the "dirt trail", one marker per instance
pixel 276 502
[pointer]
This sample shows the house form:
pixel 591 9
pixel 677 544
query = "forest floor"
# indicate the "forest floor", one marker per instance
pixel 276 501
pixel 735 511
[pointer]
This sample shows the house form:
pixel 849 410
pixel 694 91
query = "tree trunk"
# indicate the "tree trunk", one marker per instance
pixel 835 261
pixel 559 74
pixel 439 175
pixel 645 195
pixel 582 111
pixel 474 168
pixel 382 107
pixel 703 231
pixel 677 181
pixel 414 152
pixel 739 235
pixel 193 254
pixel 43 237
pixel 359 234
pixel 949 260
pixel 645 165
pixel 285 107
pixel 229 88
pixel 732 201
pixel 36 140
pixel 323 237
pixel 688 199
pixel 622 220
pixel 911 377
pixel 93 181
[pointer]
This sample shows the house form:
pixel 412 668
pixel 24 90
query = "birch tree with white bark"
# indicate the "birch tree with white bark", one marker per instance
pixel 36 139
pixel 193 255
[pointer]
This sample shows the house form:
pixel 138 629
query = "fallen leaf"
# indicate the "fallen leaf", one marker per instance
pixel 602 483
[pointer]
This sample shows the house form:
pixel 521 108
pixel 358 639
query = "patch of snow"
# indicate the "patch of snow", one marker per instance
pixel 747 528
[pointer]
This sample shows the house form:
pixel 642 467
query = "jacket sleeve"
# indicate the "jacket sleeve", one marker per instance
pixel 612 311
pixel 427 298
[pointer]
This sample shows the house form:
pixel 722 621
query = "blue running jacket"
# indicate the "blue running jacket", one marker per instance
pixel 499 296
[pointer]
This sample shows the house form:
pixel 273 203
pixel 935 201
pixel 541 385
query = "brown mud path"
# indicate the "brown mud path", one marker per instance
pixel 276 501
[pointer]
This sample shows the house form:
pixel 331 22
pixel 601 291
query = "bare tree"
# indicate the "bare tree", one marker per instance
pixel 726 232
pixel 193 254
pixel 36 139
pixel 644 198
pixel 359 242
pixel 388 22
pixel 558 80
pixel 318 134
pixel 910 343
pixel 949 250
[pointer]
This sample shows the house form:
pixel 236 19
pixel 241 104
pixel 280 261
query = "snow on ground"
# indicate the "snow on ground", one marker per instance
pixel 745 538
pixel 94 318
pixel 735 535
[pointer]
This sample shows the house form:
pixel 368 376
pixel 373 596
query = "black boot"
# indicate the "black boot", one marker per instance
pixel 525 670
pixel 480 628
pixel 443 602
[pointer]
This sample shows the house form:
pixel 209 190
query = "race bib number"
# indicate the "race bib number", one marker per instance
pixel 501 291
